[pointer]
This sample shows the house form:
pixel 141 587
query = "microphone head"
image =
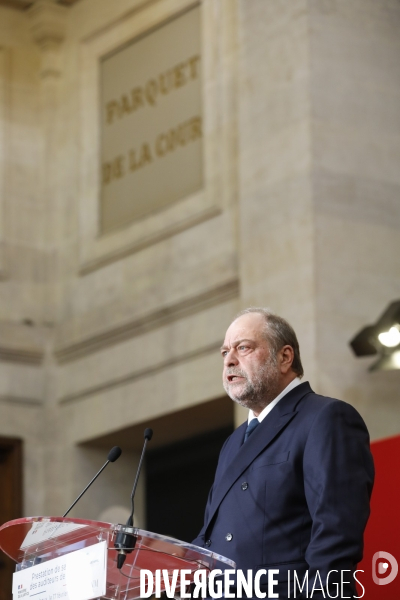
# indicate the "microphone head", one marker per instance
pixel 148 434
pixel 114 454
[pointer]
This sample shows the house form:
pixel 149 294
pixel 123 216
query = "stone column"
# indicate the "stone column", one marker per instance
pixel 48 27
pixel 355 91
pixel 319 148
pixel 276 217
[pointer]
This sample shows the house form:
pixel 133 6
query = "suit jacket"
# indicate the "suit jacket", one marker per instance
pixel 296 495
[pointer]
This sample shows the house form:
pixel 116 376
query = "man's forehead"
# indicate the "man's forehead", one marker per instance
pixel 248 326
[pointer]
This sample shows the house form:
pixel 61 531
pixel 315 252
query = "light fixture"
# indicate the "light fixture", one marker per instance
pixel 382 338
pixel 390 338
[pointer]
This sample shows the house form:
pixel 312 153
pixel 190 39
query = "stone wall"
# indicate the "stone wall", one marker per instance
pixel 299 212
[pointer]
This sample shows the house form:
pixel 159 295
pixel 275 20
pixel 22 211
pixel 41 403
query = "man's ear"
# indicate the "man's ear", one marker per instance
pixel 286 356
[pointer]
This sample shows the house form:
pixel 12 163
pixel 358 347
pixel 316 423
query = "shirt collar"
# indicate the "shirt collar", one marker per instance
pixel 274 402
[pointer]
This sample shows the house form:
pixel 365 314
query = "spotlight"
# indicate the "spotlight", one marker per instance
pixel 382 338
pixel 390 338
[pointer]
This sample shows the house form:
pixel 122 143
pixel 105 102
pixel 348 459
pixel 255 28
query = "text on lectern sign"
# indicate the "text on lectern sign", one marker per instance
pixel 151 122
pixel 79 575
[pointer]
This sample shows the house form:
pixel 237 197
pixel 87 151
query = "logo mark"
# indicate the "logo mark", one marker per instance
pixel 383 567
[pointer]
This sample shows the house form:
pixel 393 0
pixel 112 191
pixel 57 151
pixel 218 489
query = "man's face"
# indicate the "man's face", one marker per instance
pixel 251 375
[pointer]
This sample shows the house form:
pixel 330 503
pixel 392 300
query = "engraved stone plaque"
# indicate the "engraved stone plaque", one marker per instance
pixel 151 122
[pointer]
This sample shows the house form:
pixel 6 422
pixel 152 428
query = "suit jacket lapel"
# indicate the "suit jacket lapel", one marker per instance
pixel 266 432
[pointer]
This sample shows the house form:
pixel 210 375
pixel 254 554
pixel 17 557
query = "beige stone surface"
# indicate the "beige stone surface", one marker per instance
pixel 114 487
pixel 22 347
pixel 190 338
pixel 355 90
pixel 276 198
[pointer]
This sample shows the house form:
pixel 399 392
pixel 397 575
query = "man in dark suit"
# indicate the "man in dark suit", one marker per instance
pixel 293 484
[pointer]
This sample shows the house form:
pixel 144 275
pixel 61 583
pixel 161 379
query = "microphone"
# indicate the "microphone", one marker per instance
pixel 125 542
pixel 113 455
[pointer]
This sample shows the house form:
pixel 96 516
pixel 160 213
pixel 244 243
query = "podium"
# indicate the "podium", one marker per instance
pixel 36 540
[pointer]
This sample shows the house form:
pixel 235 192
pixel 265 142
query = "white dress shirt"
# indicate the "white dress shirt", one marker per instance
pixel 274 402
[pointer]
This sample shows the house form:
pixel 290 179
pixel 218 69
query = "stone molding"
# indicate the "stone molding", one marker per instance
pixel 48 28
pixel 21 401
pixel 150 370
pixel 129 246
pixel 24 4
pixel 20 355
pixel 219 112
pixel 155 319
pixel 47 22
pixel 103 339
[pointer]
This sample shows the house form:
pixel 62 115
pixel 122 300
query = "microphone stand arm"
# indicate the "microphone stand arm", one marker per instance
pixel 86 488
pixel 125 541
pixel 129 522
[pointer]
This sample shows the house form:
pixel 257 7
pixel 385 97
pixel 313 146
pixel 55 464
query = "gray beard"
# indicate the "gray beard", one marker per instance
pixel 258 392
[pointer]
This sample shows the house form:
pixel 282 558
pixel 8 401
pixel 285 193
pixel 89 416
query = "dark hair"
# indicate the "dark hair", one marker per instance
pixel 278 333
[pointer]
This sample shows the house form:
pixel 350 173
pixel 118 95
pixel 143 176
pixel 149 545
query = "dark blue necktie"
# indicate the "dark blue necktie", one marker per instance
pixel 250 428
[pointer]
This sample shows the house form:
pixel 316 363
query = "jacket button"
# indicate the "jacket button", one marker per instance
pixel 245 485
pixel 208 543
pixel 228 537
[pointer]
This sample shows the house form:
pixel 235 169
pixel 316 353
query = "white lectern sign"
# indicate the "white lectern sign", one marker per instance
pixel 79 575
pixel 45 530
